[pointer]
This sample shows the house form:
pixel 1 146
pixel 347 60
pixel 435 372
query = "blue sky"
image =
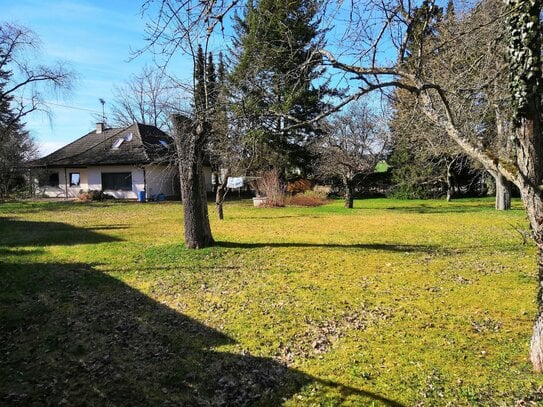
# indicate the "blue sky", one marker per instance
pixel 94 39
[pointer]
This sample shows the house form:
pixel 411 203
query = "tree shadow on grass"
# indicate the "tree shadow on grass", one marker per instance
pixel 15 252
pixel 50 205
pixel 448 208
pixel 108 227
pixel 14 233
pixel 72 335
pixel 390 247
pixel 258 216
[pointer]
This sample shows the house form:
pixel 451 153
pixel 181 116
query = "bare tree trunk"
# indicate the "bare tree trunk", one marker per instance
pixel 536 343
pixel 220 194
pixel 450 183
pixel 530 162
pixel 526 85
pixel 488 184
pixel 190 141
pixel 503 185
pixel 503 193
pixel 531 197
pixel 349 197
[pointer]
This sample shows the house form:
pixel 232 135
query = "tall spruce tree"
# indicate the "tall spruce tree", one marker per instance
pixel 222 150
pixel 200 85
pixel 272 81
pixel 211 81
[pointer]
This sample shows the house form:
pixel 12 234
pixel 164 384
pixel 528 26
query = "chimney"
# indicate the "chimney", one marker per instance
pixel 99 128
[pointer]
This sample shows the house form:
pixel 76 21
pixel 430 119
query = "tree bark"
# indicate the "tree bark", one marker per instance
pixel 531 198
pixel 349 197
pixel 503 193
pixel 220 195
pixel 450 183
pixel 536 343
pixel 526 83
pixel 531 168
pixel 190 140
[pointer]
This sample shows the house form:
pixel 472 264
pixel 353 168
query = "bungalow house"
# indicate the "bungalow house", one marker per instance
pixel 122 162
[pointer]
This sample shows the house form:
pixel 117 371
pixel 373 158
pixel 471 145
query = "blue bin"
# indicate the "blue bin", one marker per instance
pixel 141 196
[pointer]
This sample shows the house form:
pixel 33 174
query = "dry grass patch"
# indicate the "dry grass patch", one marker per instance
pixel 308 198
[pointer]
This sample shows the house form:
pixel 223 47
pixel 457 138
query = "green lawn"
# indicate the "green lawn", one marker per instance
pixel 391 303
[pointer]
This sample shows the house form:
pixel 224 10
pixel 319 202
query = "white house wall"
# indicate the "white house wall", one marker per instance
pixel 91 180
pixel 64 190
pixel 208 179
pixel 95 180
pixel 158 179
pixel 161 180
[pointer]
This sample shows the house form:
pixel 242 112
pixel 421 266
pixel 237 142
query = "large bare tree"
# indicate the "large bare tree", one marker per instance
pixel 352 144
pixel 466 88
pixel 24 83
pixel 148 97
pixel 178 28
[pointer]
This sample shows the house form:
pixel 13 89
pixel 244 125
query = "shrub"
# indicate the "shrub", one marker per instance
pixel 298 185
pixel 406 191
pixel 93 195
pixel 308 198
pixel 271 186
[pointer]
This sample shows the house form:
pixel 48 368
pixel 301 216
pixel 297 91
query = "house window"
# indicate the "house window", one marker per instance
pixel 53 180
pixel 75 179
pixel 117 180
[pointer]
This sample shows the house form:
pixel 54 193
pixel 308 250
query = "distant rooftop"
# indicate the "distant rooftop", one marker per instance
pixel 135 144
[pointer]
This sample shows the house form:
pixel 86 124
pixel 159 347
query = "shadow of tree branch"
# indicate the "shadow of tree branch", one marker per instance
pixel 17 233
pixel 391 247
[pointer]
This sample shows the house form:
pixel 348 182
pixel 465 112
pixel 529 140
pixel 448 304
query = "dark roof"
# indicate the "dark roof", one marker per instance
pixel 143 147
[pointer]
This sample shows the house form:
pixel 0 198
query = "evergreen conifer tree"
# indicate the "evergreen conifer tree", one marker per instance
pixel 272 81
pixel 16 145
pixel 200 88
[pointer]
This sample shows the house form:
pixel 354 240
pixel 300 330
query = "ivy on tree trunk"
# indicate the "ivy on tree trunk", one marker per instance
pixel 526 85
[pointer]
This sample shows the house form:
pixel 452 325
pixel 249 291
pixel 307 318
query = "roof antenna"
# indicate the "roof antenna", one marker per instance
pixel 103 102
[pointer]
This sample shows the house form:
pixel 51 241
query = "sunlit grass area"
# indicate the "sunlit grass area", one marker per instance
pixel 391 303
